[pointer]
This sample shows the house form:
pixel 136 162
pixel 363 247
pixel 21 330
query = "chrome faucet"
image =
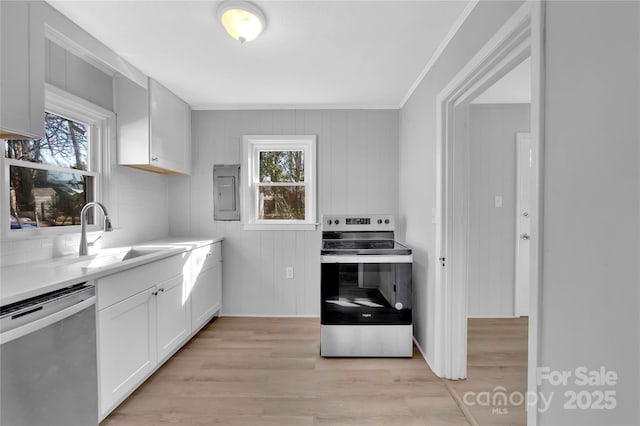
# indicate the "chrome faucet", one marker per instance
pixel 84 250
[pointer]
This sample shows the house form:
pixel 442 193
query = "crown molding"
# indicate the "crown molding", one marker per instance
pixel 443 45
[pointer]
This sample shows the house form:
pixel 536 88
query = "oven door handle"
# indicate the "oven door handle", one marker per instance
pixel 332 258
pixel 41 323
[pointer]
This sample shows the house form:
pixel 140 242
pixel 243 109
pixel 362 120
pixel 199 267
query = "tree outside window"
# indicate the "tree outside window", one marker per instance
pixel 280 182
pixel 50 178
pixel 281 187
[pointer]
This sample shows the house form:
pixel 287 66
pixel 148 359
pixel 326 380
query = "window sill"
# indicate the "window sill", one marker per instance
pixel 280 226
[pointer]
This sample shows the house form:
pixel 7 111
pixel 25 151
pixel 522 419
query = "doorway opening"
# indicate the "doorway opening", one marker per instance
pixel 520 38
pixel 500 175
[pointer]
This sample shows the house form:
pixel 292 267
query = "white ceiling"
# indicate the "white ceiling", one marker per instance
pixel 513 88
pixel 318 54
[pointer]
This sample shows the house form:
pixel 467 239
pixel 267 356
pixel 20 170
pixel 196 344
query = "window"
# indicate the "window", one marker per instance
pixel 280 187
pixel 47 181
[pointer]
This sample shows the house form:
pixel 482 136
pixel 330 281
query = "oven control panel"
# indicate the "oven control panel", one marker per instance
pixel 358 222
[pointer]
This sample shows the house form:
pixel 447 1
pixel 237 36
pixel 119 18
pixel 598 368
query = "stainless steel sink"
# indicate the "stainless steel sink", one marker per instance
pixel 137 252
pixel 109 259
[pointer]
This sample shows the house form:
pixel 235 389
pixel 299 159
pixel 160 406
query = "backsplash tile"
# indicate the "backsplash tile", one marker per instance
pixel 35 249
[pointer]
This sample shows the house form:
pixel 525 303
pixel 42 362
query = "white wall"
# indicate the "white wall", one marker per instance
pixel 72 74
pixel 492 230
pixel 590 288
pixel 138 205
pixel 591 243
pixel 357 172
pixel 417 168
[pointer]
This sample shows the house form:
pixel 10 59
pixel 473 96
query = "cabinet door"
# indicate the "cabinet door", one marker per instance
pixel 22 69
pixel 206 294
pixel 174 316
pixel 170 126
pixel 126 345
pixel 132 107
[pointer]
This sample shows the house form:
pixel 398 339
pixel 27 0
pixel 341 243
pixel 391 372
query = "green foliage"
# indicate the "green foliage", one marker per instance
pixel 282 166
pixel 65 145
pixel 65 205
pixel 282 202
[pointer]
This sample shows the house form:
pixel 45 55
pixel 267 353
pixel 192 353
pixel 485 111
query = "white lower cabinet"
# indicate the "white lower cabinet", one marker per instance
pixel 206 294
pixel 145 314
pixel 174 316
pixel 127 345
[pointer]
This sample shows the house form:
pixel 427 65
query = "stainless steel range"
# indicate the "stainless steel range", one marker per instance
pixel 365 288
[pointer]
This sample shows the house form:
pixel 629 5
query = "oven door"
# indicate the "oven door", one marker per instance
pixel 366 290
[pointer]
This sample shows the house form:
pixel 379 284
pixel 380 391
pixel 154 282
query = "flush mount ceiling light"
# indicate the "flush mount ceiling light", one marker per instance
pixel 243 21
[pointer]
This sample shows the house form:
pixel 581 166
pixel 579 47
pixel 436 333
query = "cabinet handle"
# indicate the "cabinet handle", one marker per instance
pixel 155 293
pixel 161 290
pixel 154 159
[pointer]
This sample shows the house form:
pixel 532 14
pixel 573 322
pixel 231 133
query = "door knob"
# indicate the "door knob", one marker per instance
pixel 525 236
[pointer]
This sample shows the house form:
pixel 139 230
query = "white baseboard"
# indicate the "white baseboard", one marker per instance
pixel 424 355
pixel 492 316
pixel 267 316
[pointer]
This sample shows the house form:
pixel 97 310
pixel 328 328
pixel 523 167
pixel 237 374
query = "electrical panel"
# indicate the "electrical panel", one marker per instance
pixel 226 200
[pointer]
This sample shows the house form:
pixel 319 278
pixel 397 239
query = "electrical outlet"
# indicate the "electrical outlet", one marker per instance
pixel 289 272
pixel 498 201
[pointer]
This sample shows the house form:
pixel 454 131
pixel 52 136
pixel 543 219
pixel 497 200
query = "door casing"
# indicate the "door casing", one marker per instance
pixel 524 164
pixel 519 38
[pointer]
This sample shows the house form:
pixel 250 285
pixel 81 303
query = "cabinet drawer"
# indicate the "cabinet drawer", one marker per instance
pixel 119 286
pixel 206 257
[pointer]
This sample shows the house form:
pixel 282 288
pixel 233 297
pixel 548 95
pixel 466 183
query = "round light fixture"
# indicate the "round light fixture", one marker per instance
pixel 243 21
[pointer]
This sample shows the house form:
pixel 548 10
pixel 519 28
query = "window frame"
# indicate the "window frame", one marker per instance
pixel 102 131
pixel 252 145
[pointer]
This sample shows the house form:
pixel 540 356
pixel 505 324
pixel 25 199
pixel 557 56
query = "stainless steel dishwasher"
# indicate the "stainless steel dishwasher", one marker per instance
pixel 48 357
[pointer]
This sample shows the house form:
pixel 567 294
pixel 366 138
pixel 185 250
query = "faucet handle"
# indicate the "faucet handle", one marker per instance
pixel 94 241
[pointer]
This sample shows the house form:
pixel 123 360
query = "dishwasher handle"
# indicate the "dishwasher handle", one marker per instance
pixel 41 323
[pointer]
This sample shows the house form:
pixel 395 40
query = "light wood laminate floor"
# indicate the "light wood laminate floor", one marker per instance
pixel 496 362
pixel 268 371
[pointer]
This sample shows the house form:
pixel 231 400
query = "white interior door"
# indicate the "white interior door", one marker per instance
pixel 524 172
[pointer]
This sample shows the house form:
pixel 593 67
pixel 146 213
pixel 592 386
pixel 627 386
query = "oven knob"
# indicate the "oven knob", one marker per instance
pixel 399 306
pixel 336 221
pixel 386 221
pixel 379 221
pixel 329 222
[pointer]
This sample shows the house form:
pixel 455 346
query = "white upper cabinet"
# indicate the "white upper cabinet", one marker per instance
pixel 154 128
pixel 170 144
pixel 22 69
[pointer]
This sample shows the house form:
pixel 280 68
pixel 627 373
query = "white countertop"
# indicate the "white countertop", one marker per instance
pixel 23 281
